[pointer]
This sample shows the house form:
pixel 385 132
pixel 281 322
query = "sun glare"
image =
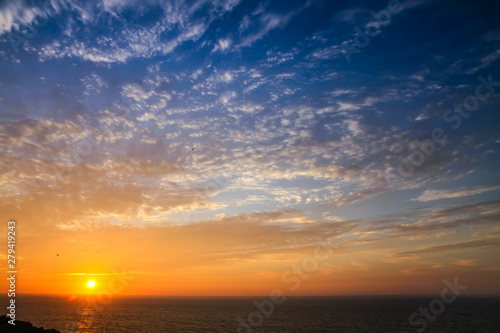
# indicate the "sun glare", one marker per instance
pixel 91 284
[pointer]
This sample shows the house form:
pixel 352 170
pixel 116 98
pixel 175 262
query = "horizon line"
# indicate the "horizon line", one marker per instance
pixel 257 296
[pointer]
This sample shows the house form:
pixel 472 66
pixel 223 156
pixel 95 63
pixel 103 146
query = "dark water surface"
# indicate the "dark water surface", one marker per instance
pixel 343 314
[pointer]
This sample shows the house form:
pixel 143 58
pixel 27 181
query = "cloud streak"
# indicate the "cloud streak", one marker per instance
pixel 430 195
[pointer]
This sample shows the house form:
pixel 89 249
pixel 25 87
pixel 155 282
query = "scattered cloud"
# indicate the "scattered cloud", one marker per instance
pixel 480 243
pixel 486 62
pixel 430 195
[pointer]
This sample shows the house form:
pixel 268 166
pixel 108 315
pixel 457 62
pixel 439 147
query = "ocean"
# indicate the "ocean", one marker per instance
pixel 342 314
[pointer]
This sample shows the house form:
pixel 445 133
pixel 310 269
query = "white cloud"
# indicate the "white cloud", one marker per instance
pixel 80 50
pixel 246 108
pixel 281 57
pixel 116 5
pixel 354 127
pixel 226 77
pixel 93 84
pixel 430 195
pixel 222 45
pixel 15 15
pixel 422 116
pixel 340 92
pixel 140 42
pixel 245 23
pixel 268 22
pixel 347 106
pixel 227 96
pixel 486 61
pixel 326 53
pixel 135 92
pixel 228 5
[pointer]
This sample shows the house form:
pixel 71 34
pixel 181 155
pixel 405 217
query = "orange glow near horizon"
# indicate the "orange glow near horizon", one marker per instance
pixel 146 269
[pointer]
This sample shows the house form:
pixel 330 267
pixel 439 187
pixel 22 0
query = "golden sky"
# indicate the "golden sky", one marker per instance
pixel 215 148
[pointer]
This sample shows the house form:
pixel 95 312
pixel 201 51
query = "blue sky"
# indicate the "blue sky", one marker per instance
pixel 170 114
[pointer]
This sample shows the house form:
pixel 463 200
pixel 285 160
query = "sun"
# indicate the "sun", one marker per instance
pixel 91 284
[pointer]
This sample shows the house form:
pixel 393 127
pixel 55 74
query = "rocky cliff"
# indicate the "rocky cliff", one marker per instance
pixel 21 326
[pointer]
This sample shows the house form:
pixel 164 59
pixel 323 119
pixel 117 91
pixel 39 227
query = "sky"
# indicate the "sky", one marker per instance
pixel 219 147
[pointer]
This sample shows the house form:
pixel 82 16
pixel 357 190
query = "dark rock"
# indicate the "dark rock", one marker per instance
pixel 21 327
